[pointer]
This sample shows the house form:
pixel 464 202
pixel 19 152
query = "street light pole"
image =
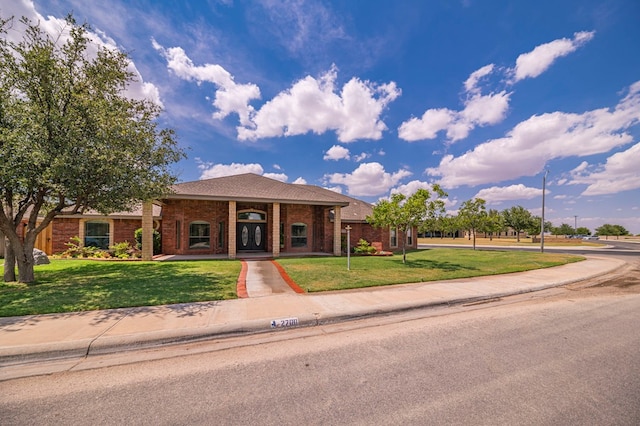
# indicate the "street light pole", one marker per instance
pixel 575 225
pixel 544 184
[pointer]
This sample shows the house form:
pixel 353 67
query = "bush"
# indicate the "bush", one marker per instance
pixel 364 247
pixel 157 241
pixel 75 249
pixel 122 250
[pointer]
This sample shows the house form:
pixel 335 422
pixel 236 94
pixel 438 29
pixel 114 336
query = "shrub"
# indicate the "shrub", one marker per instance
pixel 75 249
pixel 122 250
pixel 364 247
pixel 157 241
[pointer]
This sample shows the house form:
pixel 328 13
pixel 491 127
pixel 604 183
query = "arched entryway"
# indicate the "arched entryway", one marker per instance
pixel 251 230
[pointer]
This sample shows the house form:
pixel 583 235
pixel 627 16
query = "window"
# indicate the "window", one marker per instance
pixel 178 233
pixel 199 235
pixel 252 215
pixel 393 237
pixel 96 234
pixel 409 237
pixel 221 235
pixel 298 235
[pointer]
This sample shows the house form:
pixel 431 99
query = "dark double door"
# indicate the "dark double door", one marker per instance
pixel 251 236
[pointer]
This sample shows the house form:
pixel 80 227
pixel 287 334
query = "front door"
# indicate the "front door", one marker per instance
pixel 251 236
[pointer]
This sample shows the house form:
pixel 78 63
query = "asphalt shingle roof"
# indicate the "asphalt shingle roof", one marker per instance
pixel 251 187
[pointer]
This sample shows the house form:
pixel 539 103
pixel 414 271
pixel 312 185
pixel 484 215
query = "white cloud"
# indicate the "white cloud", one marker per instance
pixel 369 179
pixel 534 63
pixel 230 97
pixel 361 157
pixel 312 105
pixel 410 188
pixel 526 149
pixel 486 109
pixel 559 197
pixel 619 173
pixel 496 194
pixel 277 176
pixel 59 30
pixel 300 181
pixel 219 170
pixel 337 152
pixel 471 85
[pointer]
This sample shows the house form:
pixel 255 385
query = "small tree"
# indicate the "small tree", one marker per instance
pixel 518 218
pixel 565 229
pixel 406 213
pixel 473 216
pixel 583 231
pixel 494 223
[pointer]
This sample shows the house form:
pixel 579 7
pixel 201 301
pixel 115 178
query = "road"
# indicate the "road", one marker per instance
pixel 564 356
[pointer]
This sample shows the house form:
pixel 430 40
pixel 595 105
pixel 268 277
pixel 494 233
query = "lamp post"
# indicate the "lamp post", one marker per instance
pixel 348 228
pixel 544 183
pixel 575 225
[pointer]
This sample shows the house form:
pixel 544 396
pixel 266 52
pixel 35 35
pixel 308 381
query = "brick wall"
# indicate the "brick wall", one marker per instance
pixel 62 231
pixel 182 213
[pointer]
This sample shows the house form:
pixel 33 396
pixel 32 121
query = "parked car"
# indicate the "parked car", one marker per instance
pixel 591 237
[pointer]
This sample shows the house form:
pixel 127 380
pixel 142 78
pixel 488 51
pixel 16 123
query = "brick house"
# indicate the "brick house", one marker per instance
pixel 235 215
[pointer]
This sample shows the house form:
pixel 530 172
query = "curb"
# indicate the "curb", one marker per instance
pixel 102 344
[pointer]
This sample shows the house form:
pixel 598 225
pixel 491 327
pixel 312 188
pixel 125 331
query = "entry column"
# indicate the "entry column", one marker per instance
pixel 337 231
pixel 232 230
pixel 275 223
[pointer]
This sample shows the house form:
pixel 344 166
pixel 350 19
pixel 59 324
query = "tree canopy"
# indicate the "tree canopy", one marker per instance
pixel 406 213
pixel 70 139
pixel 518 218
pixel 473 216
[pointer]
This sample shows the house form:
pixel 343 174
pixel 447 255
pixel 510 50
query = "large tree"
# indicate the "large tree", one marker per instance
pixel 70 139
pixel 518 218
pixel 405 213
pixel 473 217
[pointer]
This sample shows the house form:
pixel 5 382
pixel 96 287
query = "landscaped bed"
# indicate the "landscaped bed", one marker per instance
pixel 71 285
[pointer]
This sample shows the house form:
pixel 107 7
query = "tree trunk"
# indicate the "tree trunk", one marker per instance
pixel 26 264
pixel 9 262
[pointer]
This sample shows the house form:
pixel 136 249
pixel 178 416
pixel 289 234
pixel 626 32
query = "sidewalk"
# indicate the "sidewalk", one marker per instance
pixel 76 335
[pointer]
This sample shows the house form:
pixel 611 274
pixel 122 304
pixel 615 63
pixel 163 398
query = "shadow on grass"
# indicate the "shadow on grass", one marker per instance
pixel 433 264
pixel 94 285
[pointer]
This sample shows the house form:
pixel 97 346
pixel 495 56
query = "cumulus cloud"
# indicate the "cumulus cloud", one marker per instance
pixel 300 181
pixel 526 149
pixel 534 63
pixel 230 97
pixel 619 173
pixel 496 194
pixel 487 109
pixel 58 29
pixel 314 105
pixel 209 170
pixel 369 179
pixel 337 152
pixel 277 176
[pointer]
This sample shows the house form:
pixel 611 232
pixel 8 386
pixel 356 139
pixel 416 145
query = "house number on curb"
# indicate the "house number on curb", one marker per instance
pixel 284 322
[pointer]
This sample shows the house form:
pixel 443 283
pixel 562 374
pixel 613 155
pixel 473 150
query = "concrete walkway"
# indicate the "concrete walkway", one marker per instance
pixel 272 304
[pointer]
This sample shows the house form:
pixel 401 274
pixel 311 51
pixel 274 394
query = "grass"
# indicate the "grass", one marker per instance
pixel 84 285
pixel 324 274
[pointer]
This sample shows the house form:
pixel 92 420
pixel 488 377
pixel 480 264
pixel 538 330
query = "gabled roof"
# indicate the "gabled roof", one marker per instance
pixel 255 188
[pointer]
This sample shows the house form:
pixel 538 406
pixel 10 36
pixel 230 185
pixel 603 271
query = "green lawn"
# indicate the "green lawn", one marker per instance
pixel 83 285
pixel 330 273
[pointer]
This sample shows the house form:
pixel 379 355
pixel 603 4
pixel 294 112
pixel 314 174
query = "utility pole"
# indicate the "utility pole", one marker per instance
pixel 575 225
pixel 544 184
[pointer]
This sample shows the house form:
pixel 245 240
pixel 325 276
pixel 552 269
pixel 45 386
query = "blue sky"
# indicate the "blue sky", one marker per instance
pixel 371 97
